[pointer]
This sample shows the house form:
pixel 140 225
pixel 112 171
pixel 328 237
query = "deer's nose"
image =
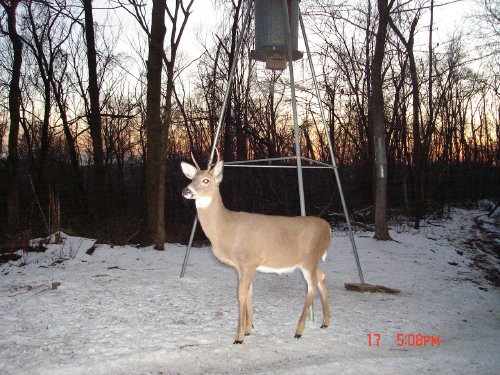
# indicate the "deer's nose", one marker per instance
pixel 187 193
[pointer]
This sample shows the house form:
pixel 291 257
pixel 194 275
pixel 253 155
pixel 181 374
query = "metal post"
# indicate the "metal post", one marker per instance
pixel 330 147
pixel 294 111
pixel 190 243
pixel 295 123
pixel 219 125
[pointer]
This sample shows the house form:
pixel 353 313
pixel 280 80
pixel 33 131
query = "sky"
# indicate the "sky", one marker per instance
pixel 446 18
pixel 206 15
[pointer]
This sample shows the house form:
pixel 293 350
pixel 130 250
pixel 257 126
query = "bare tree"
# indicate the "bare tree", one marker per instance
pixel 47 32
pixel 418 156
pixel 488 32
pixel 229 121
pixel 95 112
pixel 178 15
pixel 158 117
pixel 13 198
pixel 378 123
pixel 156 134
pixel 60 91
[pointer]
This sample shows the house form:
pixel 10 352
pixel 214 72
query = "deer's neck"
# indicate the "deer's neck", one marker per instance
pixel 212 215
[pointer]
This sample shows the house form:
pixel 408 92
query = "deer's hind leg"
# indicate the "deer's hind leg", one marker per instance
pixel 311 277
pixel 324 298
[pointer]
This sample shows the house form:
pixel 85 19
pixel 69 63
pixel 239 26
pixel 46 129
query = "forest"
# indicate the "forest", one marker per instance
pixel 101 100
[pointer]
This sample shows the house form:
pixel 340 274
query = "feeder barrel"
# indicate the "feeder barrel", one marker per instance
pixel 270 32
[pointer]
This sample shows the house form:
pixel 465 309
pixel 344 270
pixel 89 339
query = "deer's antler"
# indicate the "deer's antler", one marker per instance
pixel 218 155
pixel 194 161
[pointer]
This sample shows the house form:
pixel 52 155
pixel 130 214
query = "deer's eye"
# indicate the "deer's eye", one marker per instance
pixel 205 181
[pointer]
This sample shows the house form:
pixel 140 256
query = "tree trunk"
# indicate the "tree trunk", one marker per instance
pixel 157 128
pixel 13 197
pixel 378 124
pixel 44 140
pixel 417 154
pixel 156 134
pixel 417 143
pixel 98 187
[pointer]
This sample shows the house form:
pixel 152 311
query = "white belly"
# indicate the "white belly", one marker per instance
pixel 276 270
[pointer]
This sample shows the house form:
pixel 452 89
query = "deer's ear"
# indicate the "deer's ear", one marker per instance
pixel 217 171
pixel 188 170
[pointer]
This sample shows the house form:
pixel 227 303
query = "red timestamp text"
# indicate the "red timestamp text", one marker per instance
pixel 407 340
pixel 417 340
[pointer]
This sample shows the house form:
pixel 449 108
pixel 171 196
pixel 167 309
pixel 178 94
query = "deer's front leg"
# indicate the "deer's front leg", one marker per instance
pixel 249 313
pixel 245 280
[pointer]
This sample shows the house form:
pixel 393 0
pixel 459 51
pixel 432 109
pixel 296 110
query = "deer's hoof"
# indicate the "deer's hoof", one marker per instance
pixel 324 326
pixel 297 336
pixel 238 342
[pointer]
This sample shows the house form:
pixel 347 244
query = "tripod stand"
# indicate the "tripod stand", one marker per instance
pixel 246 21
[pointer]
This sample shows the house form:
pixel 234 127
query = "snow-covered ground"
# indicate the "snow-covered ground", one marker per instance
pixel 125 310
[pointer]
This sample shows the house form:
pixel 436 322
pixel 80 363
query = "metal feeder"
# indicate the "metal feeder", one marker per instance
pixel 271 40
pixel 276 43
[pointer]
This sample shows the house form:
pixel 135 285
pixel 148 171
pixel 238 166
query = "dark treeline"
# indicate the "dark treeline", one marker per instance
pixel 69 165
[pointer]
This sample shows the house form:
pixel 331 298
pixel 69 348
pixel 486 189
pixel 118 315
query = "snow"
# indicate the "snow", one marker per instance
pixel 124 310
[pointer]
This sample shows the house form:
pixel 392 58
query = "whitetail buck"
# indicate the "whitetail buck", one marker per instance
pixel 252 242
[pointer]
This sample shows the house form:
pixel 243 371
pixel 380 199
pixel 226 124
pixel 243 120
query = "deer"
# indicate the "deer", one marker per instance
pixel 251 242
